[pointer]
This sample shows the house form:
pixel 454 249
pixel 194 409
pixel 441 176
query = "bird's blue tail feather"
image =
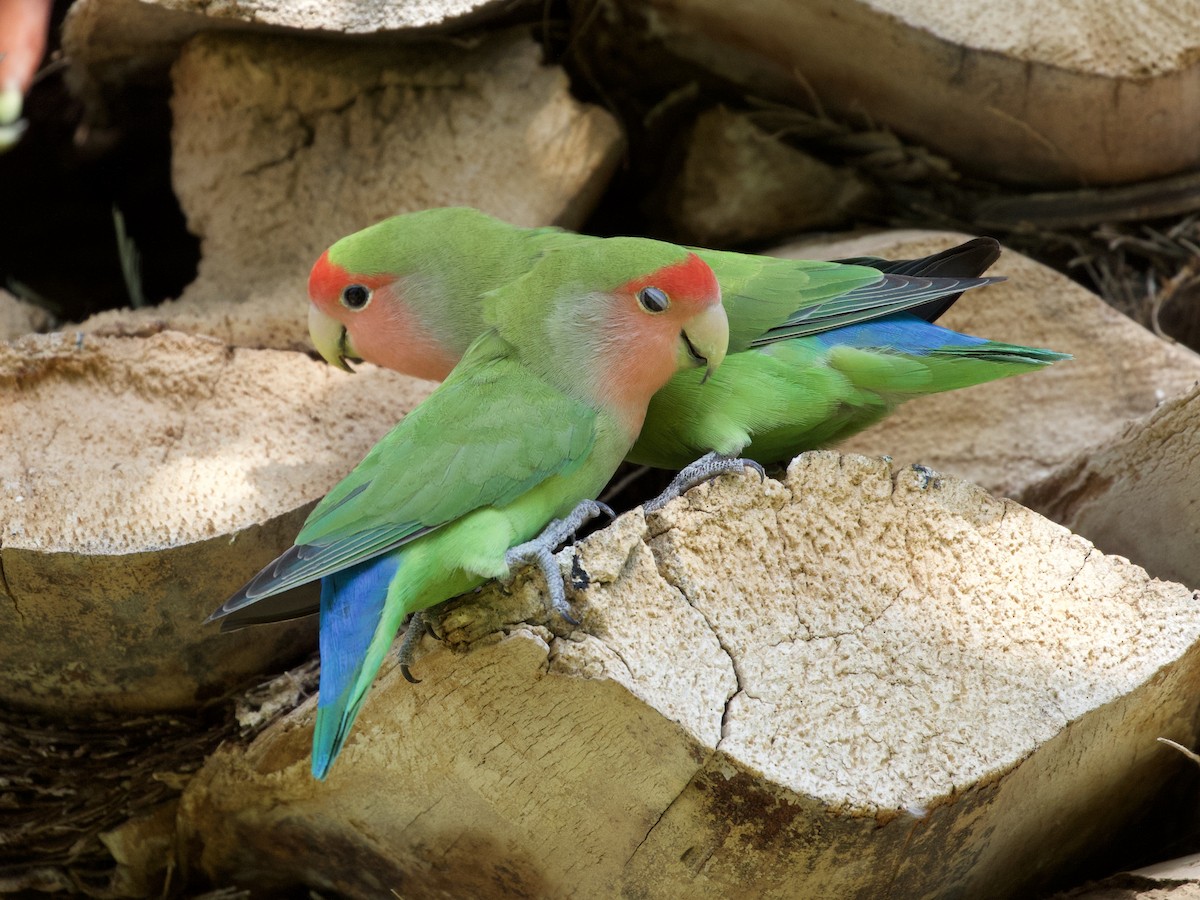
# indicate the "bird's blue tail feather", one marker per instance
pixel 903 333
pixel 352 604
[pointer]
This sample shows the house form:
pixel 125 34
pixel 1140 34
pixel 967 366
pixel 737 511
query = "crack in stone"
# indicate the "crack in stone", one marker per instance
pixel 424 812
pixel 615 651
pixel 662 815
pixel 733 664
pixel 307 139
pixel 870 621
pixel 1082 565
pixel 646 538
pixel 307 120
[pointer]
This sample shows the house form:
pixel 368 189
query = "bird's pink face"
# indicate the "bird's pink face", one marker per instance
pixel 676 293
pixel 675 320
pixel 355 316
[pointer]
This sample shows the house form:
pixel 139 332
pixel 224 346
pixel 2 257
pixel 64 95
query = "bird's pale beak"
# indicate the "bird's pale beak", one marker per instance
pixel 11 123
pixel 329 337
pixel 707 338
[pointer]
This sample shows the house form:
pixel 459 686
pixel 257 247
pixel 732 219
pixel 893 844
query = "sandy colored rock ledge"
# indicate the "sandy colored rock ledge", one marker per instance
pixel 1042 93
pixel 1176 879
pixel 112 17
pixel 1014 432
pixel 142 481
pixel 283 146
pixel 112 41
pixel 850 683
pixel 1131 887
pixel 1138 494
pixel 740 184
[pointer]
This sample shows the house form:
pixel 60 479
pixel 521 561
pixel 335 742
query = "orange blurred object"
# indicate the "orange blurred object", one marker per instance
pixel 24 25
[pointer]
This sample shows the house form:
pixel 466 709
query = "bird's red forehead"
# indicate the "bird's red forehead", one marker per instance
pixel 690 279
pixel 327 279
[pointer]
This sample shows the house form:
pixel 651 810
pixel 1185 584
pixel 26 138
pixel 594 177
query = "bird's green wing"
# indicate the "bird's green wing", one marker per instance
pixel 761 292
pixel 770 299
pixel 400 491
pixel 890 295
pixel 493 463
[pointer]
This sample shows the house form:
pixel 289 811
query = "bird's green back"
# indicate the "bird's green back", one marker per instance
pixel 761 292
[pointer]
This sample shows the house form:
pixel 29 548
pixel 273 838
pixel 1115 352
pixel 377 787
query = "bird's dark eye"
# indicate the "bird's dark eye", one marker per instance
pixel 653 300
pixel 356 296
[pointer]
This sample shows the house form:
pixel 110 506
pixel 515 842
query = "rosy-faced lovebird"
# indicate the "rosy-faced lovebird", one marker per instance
pixel 817 350
pixel 534 419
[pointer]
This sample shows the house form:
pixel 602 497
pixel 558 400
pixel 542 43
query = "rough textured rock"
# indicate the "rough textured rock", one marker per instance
pixel 1011 89
pixel 1176 879
pixel 1012 433
pixel 309 15
pixel 282 146
pixel 1138 493
pixel 1131 887
pixel 739 184
pixel 143 851
pixel 18 318
pixel 144 480
pixel 111 41
pixel 844 684
pixel 1185 868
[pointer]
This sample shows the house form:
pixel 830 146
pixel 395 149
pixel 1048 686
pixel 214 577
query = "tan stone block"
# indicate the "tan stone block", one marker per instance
pixel 848 683
pixel 1138 493
pixel 739 184
pixel 1043 93
pixel 144 480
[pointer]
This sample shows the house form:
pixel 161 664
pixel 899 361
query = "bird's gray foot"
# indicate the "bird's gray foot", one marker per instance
pixel 926 476
pixel 704 469
pixel 540 552
pixel 418 624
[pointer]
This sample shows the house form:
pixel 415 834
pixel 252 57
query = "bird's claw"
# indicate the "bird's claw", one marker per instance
pixel 926 476
pixel 704 469
pixel 418 624
pixel 529 554
pixel 540 552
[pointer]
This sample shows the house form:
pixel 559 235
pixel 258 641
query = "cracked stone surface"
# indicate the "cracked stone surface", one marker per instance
pixel 1011 90
pixel 1131 887
pixel 852 682
pixel 1009 434
pixel 327 15
pixel 146 479
pixel 281 146
pixel 110 42
pixel 1174 879
pixel 1138 494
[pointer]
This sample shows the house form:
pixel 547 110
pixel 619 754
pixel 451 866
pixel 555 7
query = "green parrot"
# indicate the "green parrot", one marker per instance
pixel 817 350
pixel 535 418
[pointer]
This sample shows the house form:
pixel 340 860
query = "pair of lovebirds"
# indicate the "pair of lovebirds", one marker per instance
pixel 563 355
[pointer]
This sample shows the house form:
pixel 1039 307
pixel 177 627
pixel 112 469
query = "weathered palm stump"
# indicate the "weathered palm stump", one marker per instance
pixel 848 683
pixel 144 479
